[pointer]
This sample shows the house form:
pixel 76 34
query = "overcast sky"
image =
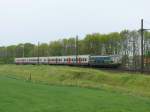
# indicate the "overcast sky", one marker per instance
pixel 46 20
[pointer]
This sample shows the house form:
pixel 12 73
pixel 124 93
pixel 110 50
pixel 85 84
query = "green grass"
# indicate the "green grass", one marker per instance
pixel 24 96
pixel 135 84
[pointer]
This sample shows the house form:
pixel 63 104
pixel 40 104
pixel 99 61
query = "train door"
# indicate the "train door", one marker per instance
pixel 79 60
pixel 56 61
pixel 49 61
pixel 69 60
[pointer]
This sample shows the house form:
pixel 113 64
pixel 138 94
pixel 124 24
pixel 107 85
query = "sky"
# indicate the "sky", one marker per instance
pixel 48 20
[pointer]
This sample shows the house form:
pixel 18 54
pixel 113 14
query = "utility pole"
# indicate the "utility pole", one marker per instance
pixel 23 51
pixel 6 54
pixel 38 53
pixel 76 48
pixel 142 53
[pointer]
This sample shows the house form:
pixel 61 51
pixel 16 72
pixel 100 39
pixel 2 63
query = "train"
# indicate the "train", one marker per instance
pixel 80 60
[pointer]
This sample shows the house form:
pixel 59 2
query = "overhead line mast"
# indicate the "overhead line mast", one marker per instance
pixel 38 53
pixel 142 45
pixel 76 48
pixel 142 52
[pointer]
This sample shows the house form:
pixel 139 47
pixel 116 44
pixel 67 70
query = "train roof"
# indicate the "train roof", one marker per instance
pixel 53 56
pixel 69 56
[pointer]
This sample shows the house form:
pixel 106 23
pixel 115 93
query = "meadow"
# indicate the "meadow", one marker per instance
pixel 30 88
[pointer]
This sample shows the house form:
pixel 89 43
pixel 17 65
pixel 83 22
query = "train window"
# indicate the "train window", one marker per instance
pixel 83 59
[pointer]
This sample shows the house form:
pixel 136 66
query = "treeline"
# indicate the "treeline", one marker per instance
pixel 125 43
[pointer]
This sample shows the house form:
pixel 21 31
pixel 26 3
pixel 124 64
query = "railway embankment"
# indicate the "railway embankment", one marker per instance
pixel 132 83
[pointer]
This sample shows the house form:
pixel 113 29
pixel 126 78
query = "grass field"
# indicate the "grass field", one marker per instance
pixel 83 77
pixel 29 88
pixel 24 96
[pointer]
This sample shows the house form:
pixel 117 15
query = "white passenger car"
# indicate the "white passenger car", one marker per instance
pixel 60 60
